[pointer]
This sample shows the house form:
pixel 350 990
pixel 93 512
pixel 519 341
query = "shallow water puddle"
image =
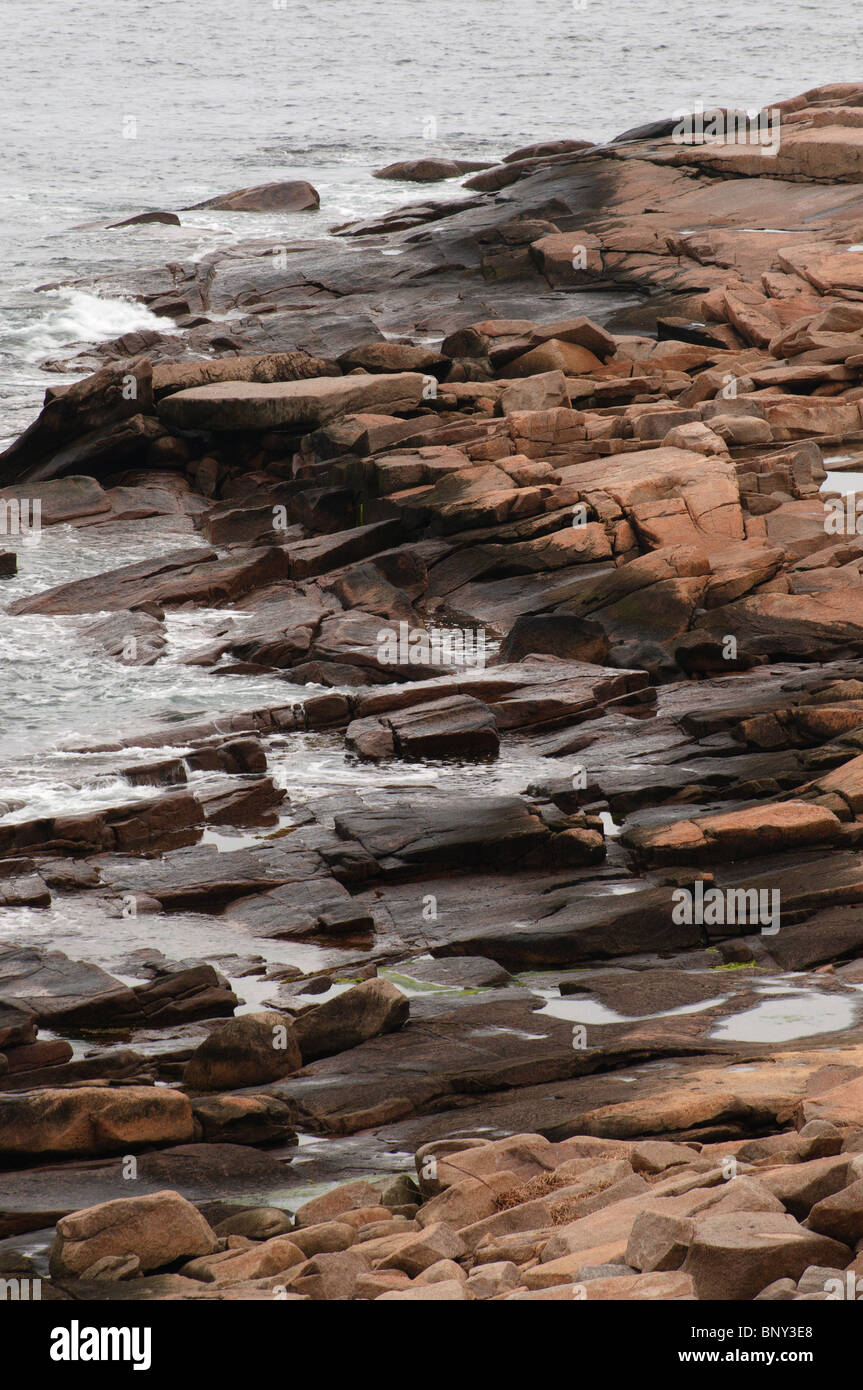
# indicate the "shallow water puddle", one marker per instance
pixel 804 1015
pixel 509 1032
pixel 582 1010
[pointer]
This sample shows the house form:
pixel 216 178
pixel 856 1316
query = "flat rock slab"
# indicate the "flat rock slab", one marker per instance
pixel 166 821
pixel 465 1047
pixel 465 972
pixel 189 576
pixel 735 834
pixel 316 907
pixel 59 990
pixel 202 876
pixel 458 725
pixel 62 993
pixel 63 499
pixel 532 920
pixel 494 830
pixel 639 992
pixel 250 405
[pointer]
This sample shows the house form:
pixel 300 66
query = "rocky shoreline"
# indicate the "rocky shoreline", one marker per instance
pixel 569 594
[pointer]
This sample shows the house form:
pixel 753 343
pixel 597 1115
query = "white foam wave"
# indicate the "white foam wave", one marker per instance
pixel 79 316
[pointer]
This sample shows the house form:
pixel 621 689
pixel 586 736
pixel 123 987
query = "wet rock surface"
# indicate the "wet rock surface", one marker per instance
pixel 511 944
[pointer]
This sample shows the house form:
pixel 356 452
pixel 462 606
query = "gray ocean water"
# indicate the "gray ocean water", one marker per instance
pixel 111 108
pixel 108 108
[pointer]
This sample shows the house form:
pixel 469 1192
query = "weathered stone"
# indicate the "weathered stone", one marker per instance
pixel 294 196
pixel 735 1257
pixel 246 1051
pixel 363 1012
pixel 86 1120
pixel 278 405
pixel 159 1229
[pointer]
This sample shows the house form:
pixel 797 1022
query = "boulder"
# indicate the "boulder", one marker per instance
pixel 554 355
pixel 735 1257
pixel 544 391
pixel 89 1121
pixel 246 1051
pixel 840 1215
pixel 331 1205
pixel 244 1120
pixel 395 357
pixel 544 148
pixel 659 1241
pixel 168 219
pixel 234 1266
pixel 159 1229
pixel 255 1223
pixel 351 1018
pixel 332 1277
pixel 429 170
pixel 558 634
pixel 293 196
pixel 416 1253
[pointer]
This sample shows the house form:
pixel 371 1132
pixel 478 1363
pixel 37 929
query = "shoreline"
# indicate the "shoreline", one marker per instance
pixel 508 1066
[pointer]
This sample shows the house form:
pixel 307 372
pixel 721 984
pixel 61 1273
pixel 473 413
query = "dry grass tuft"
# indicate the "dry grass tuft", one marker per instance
pixel 539 1186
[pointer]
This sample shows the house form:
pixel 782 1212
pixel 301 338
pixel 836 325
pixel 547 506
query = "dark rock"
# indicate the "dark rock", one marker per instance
pixel 293 196
pixel 244 1119
pixel 85 411
pixel 457 726
pixel 219 1166
pixel 170 820
pixel 247 1051
pixel 188 576
pixel 318 907
pixel 547 147
pixel 429 170
pixel 573 639
pixel 457 972
pixel 351 1018
pixel 492 831
pixel 60 992
pixel 170 219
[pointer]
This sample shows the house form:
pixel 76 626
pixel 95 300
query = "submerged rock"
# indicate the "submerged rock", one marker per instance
pixel 293 196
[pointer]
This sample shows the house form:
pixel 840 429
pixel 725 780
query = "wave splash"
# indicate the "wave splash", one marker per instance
pixel 79 316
